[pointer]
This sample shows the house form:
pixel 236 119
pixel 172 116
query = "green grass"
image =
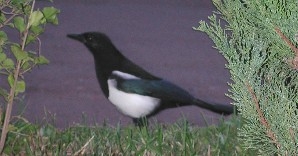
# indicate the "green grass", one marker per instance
pixel 180 138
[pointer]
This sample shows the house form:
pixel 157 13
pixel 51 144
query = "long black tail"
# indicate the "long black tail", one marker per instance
pixel 217 108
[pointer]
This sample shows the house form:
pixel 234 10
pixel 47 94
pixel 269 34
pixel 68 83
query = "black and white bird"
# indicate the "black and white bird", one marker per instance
pixel 134 91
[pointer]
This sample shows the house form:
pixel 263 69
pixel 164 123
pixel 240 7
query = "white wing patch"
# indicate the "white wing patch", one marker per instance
pixel 133 105
pixel 124 75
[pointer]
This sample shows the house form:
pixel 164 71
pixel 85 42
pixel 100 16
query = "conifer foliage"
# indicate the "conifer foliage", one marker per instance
pixel 258 38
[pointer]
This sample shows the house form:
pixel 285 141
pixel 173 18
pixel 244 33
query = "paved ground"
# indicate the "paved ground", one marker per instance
pixel 156 35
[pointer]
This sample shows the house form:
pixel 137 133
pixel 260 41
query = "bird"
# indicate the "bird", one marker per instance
pixel 134 91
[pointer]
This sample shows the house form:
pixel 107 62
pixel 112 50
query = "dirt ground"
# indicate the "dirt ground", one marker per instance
pixel 156 35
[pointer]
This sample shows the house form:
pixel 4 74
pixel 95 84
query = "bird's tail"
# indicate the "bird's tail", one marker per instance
pixel 217 108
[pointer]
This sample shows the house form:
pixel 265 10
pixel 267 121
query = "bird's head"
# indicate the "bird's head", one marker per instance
pixel 93 40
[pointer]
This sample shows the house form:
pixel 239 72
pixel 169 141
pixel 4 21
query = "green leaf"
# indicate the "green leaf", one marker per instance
pixel 30 38
pixel 8 63
pixel 50 14
pixel 41 60
pixel 21 85
pixel 18 52
pixel 19 23
pixel 26 66
pixel 2 56
pixel 15 2
pixel 10 25
pixel 36 18
pixel 3 37
pixel 10 80
pixel 37 30
pixel 2 18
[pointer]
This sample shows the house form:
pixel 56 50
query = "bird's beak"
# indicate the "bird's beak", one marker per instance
pixel 77 37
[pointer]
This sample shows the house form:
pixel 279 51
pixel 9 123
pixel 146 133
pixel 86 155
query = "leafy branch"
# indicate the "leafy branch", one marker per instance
pixel 262 118
pixel 255 40
pixel 29 24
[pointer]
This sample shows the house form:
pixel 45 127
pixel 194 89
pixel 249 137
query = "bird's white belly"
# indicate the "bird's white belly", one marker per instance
pixel 130 104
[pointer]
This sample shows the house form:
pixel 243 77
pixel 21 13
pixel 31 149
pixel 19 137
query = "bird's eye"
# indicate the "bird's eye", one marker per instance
pixel 89 38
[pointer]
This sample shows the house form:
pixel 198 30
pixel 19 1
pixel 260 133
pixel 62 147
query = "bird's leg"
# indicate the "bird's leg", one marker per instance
pixel 140 122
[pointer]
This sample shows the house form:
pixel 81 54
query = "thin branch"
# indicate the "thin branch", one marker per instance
pixel 3 73
pixel 6 4
pixel 12 12
pixel 39 46
pixel 8 20
pixel 25 71
pixel 262 118
pixel 283 37
pixel 292 62
pixel 7 13
pixel 27 27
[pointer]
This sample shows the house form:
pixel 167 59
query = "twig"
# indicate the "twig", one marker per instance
pixel 290 44
pixel 5 4
pixel 262 118
pixel 293 62
pixel 39 46
pixel 9 19
pixel 27 27
pixel 11 12
pixel 7 13
pixel 83 148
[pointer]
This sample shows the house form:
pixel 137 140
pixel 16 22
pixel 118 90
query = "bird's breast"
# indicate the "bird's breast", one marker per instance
pixel 131 104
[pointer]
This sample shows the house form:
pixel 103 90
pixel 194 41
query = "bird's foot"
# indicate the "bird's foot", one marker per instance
pixel 140 122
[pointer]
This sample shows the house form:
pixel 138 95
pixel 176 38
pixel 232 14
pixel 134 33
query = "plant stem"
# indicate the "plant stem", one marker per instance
pixel 9 108
pixel 12 92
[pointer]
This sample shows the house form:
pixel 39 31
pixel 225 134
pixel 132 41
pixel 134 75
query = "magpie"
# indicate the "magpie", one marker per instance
pixel 134 91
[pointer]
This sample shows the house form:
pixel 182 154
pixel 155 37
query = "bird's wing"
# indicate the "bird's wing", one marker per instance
pixel 161 89
pixel 128 66
pixel 169 93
